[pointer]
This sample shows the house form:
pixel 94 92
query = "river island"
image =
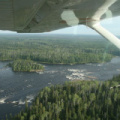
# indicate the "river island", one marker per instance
pixel 26 66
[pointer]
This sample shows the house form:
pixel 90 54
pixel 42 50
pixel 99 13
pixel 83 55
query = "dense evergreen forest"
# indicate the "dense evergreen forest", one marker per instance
pixel 52 50
pixel 26 66
pixel 77 100
pixel 81 100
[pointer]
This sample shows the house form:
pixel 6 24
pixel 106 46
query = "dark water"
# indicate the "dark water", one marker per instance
pixel 15 87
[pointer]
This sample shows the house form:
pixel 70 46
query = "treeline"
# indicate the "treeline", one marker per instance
pixel 55 51
pixel 25 66
pixel 81 100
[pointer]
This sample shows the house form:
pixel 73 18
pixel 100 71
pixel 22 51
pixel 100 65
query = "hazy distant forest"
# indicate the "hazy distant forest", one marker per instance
pixel 57 51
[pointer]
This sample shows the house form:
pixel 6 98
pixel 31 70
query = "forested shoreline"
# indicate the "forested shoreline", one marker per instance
pixel 53 51
pixel 26 66
pixel 81 100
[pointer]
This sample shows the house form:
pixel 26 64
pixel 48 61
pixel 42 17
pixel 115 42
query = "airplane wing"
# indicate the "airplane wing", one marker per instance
pixel 34 16
pixel 45 15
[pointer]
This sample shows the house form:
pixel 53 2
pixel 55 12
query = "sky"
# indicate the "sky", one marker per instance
pixel 113 25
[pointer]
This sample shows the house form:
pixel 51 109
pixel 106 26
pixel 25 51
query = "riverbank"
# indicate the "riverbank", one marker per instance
pixel 76 63
pixel 33 66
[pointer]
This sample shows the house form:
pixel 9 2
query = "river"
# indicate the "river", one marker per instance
pixel 15 87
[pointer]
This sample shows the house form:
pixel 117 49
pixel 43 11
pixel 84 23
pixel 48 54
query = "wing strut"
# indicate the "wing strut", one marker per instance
pixel 105 33
pixel 95 24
